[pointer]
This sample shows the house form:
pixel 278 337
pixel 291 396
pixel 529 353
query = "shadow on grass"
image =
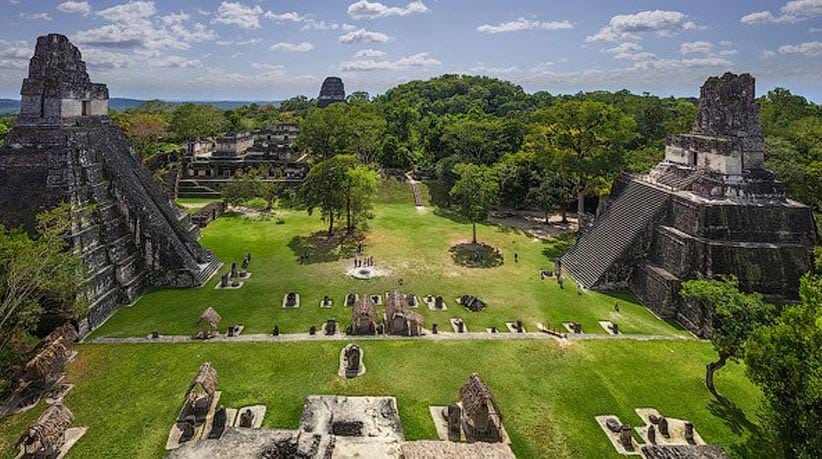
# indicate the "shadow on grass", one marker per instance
pixel 757 442
pixel 319 248
pixel 476 255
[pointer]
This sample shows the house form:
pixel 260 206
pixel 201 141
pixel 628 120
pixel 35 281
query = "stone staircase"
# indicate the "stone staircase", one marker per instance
pixel 619 227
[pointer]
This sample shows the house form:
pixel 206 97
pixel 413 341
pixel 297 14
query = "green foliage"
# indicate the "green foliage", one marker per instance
pixel 6 123
pixel 343 129
pixel 246 186
pixel 340 186
pixel 734 316
pixel 582 141
pixel 785 361
pixel 474 193
pixel 195 121
pixel 38 275
pixel 801 173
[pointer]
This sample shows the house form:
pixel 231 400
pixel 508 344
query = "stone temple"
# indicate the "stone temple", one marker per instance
pixel 709 208
pixel 64 150
pixel 332 91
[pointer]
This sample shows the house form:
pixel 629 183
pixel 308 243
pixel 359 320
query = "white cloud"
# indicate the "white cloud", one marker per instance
pixel 14 54
pixel 364 36
pixel 308 23
pixel 417 60
pixel 101 59
pixel 292 16
pixel 626 47
pixel 726 43
pixel 36 16
pixel 524 24
pixel 542 67
pixel 644 56
pixel 364 9
pixel 292 47
pixel 481 68
pixel 792 12
pixel 370 54
pixel 175 62
pixel 629 51
pixel 696 47
pixel 235 13
pixel 250 41
pixel 629 26
pixel 728 52
pixel 809 48
pixel 682 64
pixel 767 54
pixel 131 26
pixel 269 68
pixel 72 7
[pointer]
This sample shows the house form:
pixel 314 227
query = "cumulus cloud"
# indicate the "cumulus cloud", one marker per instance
pixel 36 16
pixel 524 24
pixel 481 68
pixel 364 9
pixel 696 47
pixel 792 12
pixel 417 60
pixel 250 41
pixel 364 36
pixel 175 62
pixel 682 64
pixel 808 48
pixel 131 26
pixel 72 7
pixel 629 26
pixel 370 54
pixel 292 47
pixel 102 59
pixel 308 23
pixel 767 54
pixel 629 51
pixel 235 13
pixel 14 54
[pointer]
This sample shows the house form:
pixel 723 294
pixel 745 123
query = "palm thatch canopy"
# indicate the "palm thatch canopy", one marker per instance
pixel 206 380
pixel 47 434
pixel 48 364
pixel 400 320
pixel 394 304
pixel 364 311
pixel 209 317
pixel 477 399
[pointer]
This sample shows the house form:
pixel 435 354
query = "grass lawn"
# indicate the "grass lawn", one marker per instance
pixel 128 395
pixel 413 246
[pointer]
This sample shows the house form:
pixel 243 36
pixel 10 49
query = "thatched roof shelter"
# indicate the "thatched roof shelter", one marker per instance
pixel 47 434
pixel 477 399
pixel 364 317
pixel 209 317
pixel 205 381
pixel 48 364
pixel 400 319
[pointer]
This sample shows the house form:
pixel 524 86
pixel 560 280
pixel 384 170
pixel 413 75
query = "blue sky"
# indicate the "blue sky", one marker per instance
pixel 273 49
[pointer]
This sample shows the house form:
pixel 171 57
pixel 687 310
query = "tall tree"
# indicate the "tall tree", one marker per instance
pixel 38 275
pixel 326 132
pixel 474 193
pixel 785 361
pixel 340 186
pixel 584 141
pixel 359 189
pixel 197 121
pixel 734 316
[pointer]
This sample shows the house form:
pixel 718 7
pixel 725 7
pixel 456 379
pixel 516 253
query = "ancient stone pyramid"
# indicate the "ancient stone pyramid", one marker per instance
pixel 64 150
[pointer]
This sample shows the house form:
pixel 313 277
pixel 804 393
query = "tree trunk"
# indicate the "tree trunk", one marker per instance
pixel 580 201
pixel 710 369
pixel 330 224
pixel 564 215
pixel 348 215
pixel 474 230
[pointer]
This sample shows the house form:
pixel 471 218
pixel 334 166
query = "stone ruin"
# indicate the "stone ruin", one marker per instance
pixel 351 362
pixel 46 437
pixel 200 395
pixel 708 209
pixel 207 324
pixel 63 149
pixel 482 420
pixel 332 91
pixel 472 303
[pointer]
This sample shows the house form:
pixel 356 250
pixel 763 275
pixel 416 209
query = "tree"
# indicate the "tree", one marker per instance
pixel 734 316
pixel 474 193
pixel 339 186
pixel 584 142
pixel 146 131
pixel 367 131
pixel 785 360
pixel 197 121
pixel 38 275
pixel 258 183
pixel 552 192
pixel 326 132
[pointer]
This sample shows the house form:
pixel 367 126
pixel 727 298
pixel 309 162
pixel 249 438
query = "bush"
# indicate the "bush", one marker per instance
pixel 256 204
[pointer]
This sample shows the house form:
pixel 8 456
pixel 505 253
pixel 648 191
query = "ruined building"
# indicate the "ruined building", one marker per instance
pixel 332 90
pixel 64 150
pixel 709 208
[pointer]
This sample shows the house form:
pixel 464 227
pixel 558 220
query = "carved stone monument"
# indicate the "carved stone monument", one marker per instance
pixel 351 362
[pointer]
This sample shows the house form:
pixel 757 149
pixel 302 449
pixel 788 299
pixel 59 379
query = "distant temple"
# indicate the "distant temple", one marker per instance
pixel 333 90
pixel 710 208
pixel 64 150
pixel 209 164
